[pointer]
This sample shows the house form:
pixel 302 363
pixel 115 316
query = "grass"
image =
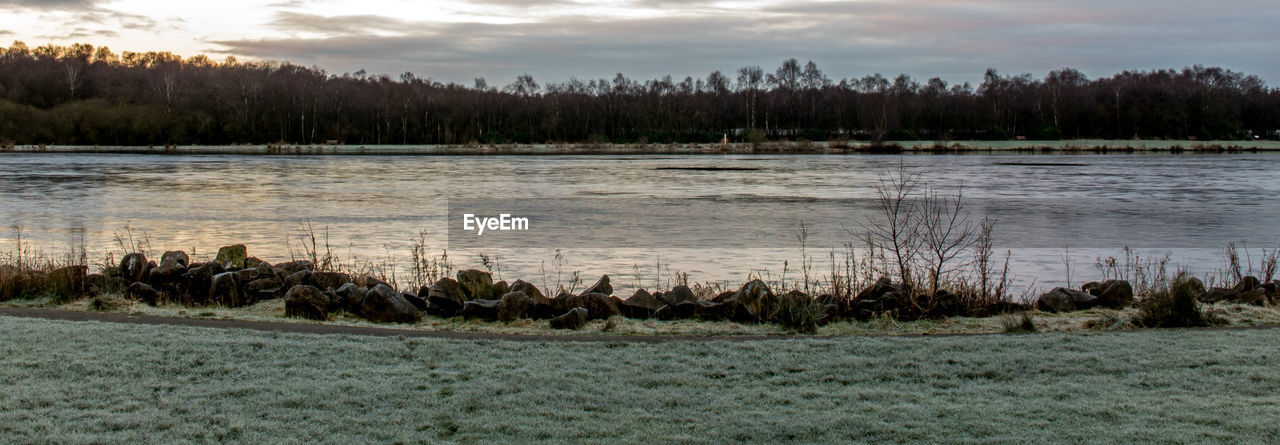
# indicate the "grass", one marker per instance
pixel 78 382
pixel 1225 314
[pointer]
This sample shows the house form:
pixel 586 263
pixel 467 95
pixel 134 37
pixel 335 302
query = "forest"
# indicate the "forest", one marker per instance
pixel 87 95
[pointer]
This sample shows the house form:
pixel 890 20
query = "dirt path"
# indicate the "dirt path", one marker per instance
pixel 316 328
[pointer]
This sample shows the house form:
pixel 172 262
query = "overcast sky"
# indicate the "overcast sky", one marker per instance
pixel 458 40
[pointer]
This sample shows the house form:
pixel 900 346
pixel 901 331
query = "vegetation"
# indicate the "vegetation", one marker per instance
pixel 91 96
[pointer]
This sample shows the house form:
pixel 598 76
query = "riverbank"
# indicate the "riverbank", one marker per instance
pixel 135 383
pixel 782 147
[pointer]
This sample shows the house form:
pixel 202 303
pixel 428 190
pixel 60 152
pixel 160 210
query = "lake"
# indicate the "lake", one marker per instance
pixel 643 219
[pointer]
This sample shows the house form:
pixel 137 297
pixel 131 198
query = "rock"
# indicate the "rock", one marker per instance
pixel 599 306
pixel 384 304
pixel 1066 300
pixel 1247 283
pixel 879 290
pixel 170 270
pixel 68 282
pixel 177 256
pixel 132 266
pixel 481 309
pixel 601 287
pixel 676 295
pixel 476 284
pixel 330 280
pixel 253 262
pixel 501 288
pixel 514 305
pixel 574 319
pixel 199 279
pixel 1256 297
pixel 95 284
pixel 445 297
pixel 224 289
pixel 753 302
pixel 302 277
pixel 1195 285
pixel 419 303
pixel 307 302
pixel 528 289
pixel 1219 294
pixel 640 305
pixel 142 292
pixel 840 306
pixel 1114 294
pixel 350 297
pixel 261 289
pixel 232 257
pixel 695 309
pixel 292 267
pixel 371 282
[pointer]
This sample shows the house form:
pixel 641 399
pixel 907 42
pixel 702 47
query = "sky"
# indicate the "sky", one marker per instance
pixel 553 40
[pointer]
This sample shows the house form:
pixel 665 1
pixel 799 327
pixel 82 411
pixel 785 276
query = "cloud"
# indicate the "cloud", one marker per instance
pixel 49 4
pixel 956 40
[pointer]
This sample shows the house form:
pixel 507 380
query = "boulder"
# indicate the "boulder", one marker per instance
pixel 575 319
pixel 224 289
pixel 351 297
pixel 1255 296
pixel 752 302
pixel 601 287
pixel 371 282
pixel 177 256
pixel 330 280
pixel 502 288
pixel 1114 294
pixel 445 297
pixel 676 295
pixel 170 270
pixel 599 306
pixel 1066 300
pixel 514 305
pixel 307 302
pixel 481 309
pixel 528 289
pixel 68 282
pixel 292 267
pixel 232 257
pixel 261 289
pixel 881 289
pixel 476 284
pixel 132 267
pixel 1219 294
pixel 143 292
pixel 1247 283
pixel 302 277
pixel 383 304
pixel 695 309
pixel 199 279
pixel 254 262
pixel 640 305
pixel 417 302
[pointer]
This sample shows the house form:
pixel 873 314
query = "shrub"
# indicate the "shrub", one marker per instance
pixel 1174 307
pixel 799 315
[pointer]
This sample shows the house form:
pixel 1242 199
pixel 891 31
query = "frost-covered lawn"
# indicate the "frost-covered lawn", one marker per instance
pixel 93 382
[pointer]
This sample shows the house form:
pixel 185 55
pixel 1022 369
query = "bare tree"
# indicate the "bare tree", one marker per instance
pixel 947 233
pixel 895 225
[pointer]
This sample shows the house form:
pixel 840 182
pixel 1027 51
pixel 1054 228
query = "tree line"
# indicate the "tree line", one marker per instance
pixel 86 95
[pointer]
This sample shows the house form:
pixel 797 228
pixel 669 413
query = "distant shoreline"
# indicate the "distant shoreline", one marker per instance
pixel 1098 146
